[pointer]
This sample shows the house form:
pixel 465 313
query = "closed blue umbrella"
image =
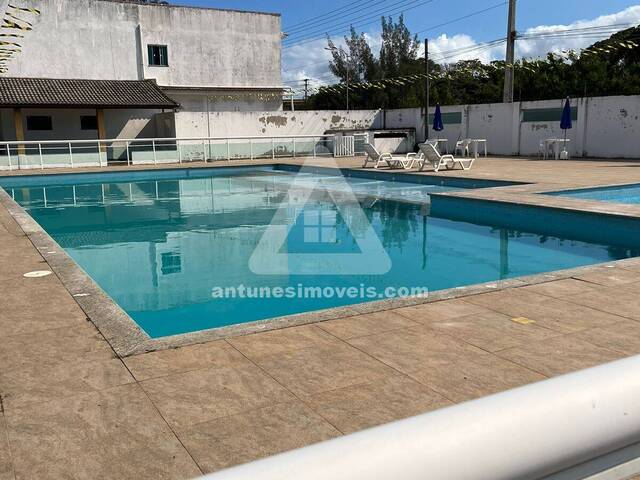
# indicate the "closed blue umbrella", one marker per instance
pixel 438 126
pixel 566 122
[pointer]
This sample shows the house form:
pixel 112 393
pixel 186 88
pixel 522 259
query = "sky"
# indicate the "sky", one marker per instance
pixel 307 22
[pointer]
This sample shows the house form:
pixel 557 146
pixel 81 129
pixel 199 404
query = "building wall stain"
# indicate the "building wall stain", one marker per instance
pixel 275 120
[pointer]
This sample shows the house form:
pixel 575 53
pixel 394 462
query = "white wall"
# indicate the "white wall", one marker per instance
pixel 606 127
pixel 119 123
pixel 96 39
pixel 613 125
pixel 496 122
pixel 233 124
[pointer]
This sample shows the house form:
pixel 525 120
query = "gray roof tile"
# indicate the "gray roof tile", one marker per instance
pixel 50 92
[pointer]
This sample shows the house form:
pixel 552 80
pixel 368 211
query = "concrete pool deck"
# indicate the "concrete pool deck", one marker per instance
pixel 71 407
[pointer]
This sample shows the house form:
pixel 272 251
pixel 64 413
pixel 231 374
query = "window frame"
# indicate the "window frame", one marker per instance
pixel 82 126
pixel 30 127
pixel 161 48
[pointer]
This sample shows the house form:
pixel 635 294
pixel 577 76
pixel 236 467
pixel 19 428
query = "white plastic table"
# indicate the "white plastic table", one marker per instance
pixel 437 141
pixel 475 142
pixel 554 143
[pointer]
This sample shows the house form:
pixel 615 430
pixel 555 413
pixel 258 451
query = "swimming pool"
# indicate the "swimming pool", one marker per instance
pixel 616 194
pixel 161 243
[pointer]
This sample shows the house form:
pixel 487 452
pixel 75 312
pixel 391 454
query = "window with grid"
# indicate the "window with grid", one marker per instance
pixel 158 56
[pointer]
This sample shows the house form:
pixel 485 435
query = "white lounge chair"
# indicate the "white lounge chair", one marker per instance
pixel 387 159
pixel 431 156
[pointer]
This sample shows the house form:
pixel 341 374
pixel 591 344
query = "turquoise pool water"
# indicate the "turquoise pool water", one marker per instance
pixel 159 243
pixel 618 194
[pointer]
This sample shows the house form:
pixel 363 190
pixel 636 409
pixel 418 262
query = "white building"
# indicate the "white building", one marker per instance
pixel 178 64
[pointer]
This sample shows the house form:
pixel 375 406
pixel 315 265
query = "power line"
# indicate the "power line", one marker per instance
pixel 449 22
pixel 314 22
pixel 577 32
pixel 464 17
pixel 477 48
pixel 366 20
pixel 342 27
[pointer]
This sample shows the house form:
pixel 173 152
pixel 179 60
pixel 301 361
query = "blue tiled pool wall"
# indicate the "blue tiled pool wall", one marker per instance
pixel 629 193
pixel 618 231
pixel 54 179
pixel 403 177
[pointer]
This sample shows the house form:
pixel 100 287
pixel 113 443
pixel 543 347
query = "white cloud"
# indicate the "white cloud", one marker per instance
pixel 445 49
pixel 540 47
pixel 311 59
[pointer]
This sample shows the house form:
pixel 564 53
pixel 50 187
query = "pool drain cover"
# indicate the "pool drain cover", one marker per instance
pixel 38 274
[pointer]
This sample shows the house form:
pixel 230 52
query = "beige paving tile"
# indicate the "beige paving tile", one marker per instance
pixel 6 464
pixel 17 257
pixel 283 340
pixel 110 434
pixel 474 376
pixel 454 369
pixel 29 308
pixel 363 406
pixel 187 399
pixel 618 301
pixel 610 276
pixel 492 331
pixel 561 288
pixel 631 287
pixel 318 369
pixel 623 337
pixel 241 438
pixel 564 316
pixel 412 349
pixel 632 264
pixel 42 383
pixel 442 310
pixel 369 324
pixel 559 355
pixel 185 359
pixel 53 347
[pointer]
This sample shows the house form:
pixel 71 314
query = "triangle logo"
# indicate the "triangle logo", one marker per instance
pixel 272 256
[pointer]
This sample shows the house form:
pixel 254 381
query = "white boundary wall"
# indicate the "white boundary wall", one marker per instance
pixel 605 127
pixel 233 124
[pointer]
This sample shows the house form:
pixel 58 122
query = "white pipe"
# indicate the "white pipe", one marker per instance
pixel 526 433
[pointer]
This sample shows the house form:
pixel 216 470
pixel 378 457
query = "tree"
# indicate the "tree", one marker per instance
pixel 608 67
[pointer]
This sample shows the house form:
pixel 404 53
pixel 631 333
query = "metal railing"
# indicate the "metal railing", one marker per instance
pixel 577 426
pixel 153 151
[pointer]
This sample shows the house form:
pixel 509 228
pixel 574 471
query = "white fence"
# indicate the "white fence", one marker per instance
pixel 578 426
pixel 154 151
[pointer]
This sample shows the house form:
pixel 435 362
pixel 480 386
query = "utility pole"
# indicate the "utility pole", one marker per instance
pixel 306 89
pixel 511 49
pixel 348 66
pixel 426 89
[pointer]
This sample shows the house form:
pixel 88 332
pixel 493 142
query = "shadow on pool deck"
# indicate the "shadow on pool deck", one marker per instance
pixel 71 408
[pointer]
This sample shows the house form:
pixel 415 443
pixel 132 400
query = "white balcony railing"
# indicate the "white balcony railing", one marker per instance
pixel 154 151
